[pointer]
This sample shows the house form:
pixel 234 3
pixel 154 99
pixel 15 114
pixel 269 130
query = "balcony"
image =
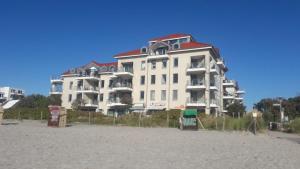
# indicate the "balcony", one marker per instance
pixel 124 72
pixel 90 76
pixel 122 87
pixel 195 102
pixel 240 92
pixel 115 102
pixel 239 98
pixel 213 103
pixel 55 92
pixel 228 96
pixel 155 57
pixel 228 83
pixel 56 79
pixel 196 67
pixel 87 89
pixel 213 86
pixel 196 84
pixel 90 103
pixel 221 63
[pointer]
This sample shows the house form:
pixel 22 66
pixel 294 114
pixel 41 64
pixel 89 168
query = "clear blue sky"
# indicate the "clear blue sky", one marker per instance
pixel 260 40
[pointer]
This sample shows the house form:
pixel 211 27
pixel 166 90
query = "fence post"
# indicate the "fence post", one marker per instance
pixel 167 118
pixel 41 116
pixel 19 116
pixel 89 118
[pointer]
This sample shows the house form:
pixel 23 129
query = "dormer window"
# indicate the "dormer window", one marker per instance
pixel 144 50
pixel 176 46
pixel 160 51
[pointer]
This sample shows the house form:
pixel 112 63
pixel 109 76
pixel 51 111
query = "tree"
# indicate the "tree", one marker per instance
pixel 76 104
pixel 236 109
pixel 34 101
pixel 54 100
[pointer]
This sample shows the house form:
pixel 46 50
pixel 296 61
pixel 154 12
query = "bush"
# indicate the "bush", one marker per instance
pixel 295 125
pixel 26 113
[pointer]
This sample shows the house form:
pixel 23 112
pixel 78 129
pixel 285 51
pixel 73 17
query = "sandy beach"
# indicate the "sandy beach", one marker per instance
pixel 32 145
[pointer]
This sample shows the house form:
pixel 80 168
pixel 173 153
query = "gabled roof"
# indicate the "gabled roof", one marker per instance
pixel 106 64
pixel 129 53
pixel 171 36
pixel 190 45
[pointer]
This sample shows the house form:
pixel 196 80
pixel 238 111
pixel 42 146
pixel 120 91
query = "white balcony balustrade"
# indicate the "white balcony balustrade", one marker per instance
pixel 196 67
pixel 195 102
pixel 195 84
pixel 124 72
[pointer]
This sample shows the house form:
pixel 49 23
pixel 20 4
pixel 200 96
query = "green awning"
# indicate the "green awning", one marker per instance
pixel 190 112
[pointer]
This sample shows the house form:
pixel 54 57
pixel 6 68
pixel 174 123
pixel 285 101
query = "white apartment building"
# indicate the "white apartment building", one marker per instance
pixel 9 93
pixel 170 72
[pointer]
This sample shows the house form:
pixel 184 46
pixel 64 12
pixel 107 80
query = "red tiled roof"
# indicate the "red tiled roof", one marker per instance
pixel 171 36
pixel 67 72
pixel 129 53
pixel 106 64
pixel 190 45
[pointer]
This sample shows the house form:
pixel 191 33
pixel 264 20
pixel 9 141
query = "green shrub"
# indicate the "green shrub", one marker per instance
pixel 295 125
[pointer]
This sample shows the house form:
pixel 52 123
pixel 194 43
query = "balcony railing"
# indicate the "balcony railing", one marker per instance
pixel 196 82
pixel 196 100
pixel 87 88
pixel 195 65
pixel 117 85
pixel 54 90
pixel 55 78
pixel 123 69
pixel 213 101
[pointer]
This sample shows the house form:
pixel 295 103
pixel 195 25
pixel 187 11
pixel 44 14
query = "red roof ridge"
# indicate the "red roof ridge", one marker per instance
pixel 189 45
pixel 129 53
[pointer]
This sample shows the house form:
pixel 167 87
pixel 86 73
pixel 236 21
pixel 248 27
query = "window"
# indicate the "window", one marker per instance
pixel 143 65
pixel 152 95
pixel 175 78
pixel 101 97
pixel 142 80
pixel 164 64
pixel 163 95
pixel 142 95
pixel 71 85
pixel 175 62
pixel 102 83
pixel 175 94
pixel 164 79
pixel 152 79
pixel 153 65
pixel 70 97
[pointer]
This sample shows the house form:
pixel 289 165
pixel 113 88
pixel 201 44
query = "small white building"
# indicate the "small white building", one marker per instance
pixel 9 93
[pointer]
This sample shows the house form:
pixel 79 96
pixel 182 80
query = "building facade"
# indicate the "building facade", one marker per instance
pixel 170 72
pixel 9 93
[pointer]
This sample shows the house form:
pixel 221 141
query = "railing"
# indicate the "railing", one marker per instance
pixel 213 101
pixel 196 82
pixel 93 102
pixel 196 100
pixel 194 65
pixel 114 100
pixel 116 85
pixel 55 78
pixel 228 81
pixel 89 88
pixel 55 90
pixel 123 69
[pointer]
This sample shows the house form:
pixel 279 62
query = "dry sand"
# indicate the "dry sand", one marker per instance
pixel 32 145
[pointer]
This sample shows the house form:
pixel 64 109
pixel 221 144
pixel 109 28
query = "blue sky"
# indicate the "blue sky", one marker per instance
pixel 260 40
